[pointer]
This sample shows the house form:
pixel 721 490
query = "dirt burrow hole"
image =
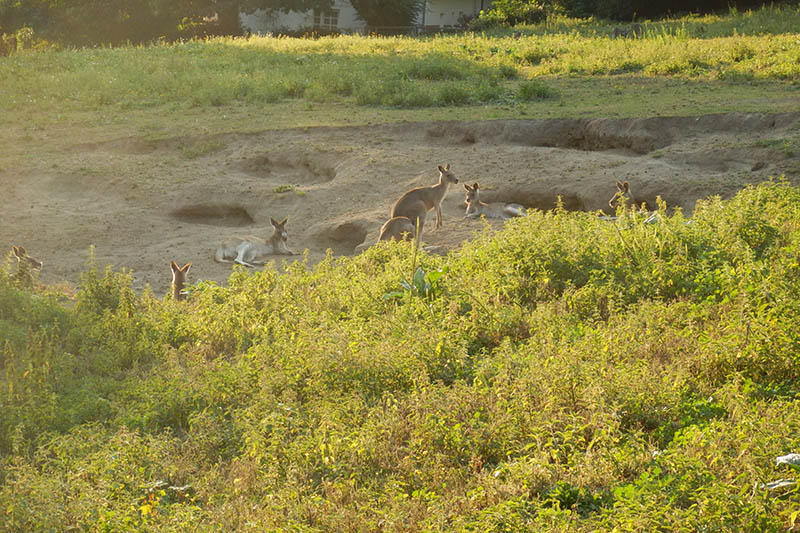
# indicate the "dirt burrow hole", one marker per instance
pixel 341 238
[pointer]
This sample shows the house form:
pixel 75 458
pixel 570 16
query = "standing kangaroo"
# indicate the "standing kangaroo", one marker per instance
pixel 476 208
pixel 415 204
pixel 25 265
pixel 397 229
pixel 250 251
pixel 624 191
pixel 179 280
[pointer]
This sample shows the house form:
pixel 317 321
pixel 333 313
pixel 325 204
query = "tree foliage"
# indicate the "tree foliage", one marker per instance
pixel 512 12
pixel 91 22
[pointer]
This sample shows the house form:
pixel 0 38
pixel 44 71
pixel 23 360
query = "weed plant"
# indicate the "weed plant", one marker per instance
pixel 565 373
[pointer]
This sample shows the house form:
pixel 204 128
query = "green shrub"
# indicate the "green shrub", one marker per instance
pixel 452 94
pixel 563 372
pixel 534 90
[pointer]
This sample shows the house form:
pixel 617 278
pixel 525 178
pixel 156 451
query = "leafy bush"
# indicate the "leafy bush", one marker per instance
pixel 564 372
pixel 534 90
pixel 510 13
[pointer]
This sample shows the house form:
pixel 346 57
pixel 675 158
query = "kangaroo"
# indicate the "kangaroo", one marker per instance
pixel 397 228
pixel 25 265
pixel 624 191
pixel 635 31
pixel 416 203
pixel 619 32
pixel 476 208
pixel 250 251
pixel 179 280
pixel 8 44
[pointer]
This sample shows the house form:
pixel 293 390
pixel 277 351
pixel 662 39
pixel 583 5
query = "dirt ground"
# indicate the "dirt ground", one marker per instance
pixel 142 203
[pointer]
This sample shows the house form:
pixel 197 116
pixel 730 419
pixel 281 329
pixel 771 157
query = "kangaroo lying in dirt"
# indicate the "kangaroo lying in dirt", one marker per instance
pixel 415 204
pixel 251 251
pixel 179 280
pixel 476 208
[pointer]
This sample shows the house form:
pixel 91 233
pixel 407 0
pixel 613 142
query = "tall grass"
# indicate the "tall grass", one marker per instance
pixel 767 20
pixel 565 373
pixel 394 71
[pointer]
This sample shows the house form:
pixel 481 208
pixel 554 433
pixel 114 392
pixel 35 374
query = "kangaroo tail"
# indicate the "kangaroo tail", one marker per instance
pixel 515 210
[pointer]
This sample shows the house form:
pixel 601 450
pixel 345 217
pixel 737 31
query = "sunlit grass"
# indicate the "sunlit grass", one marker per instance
pixel 399 72
pixel 565 373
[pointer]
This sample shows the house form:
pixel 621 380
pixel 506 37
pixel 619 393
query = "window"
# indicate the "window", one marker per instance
pixel 328 20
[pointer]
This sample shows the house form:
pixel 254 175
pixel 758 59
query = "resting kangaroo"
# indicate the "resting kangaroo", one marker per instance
pixel 476 208
pixel 250 251
pixel 397 229
pixel 415 204
pixel 179 280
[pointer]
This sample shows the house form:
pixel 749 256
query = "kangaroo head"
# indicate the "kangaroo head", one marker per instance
pixel 179 279
pixel 445 176
pixel 472 193
pixel 22 257
pixel 280 229
pixel 623 191
pixel 179 273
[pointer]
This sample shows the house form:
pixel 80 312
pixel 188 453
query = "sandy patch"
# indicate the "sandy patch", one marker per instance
pixel 142 203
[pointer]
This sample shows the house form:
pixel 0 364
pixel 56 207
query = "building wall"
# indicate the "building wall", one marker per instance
pixel 260 21
pixel 444 13
pixel 437 13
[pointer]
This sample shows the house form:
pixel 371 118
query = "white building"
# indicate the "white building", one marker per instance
pixel 435 15
pixel 449 13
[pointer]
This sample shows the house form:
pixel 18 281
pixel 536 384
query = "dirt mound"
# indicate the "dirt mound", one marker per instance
pixel 295 169
pixel 214 215
pixel 640 136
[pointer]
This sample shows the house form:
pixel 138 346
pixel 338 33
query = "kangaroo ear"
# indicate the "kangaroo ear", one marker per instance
pixel 467 187
pixel 441 168
pixel 619 186
pixel 284 221
pixel 273 222
pixel 186 267
pixel 173 266
pixel 625 186
pixel 447 166
pixel 16 251
pixel 475 186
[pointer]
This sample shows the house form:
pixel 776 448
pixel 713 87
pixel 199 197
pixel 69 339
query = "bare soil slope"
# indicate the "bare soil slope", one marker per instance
pixel 142 202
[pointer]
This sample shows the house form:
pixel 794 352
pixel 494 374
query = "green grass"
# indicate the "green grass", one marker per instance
pixel 768 20
pixel 565 373
pixel 283 188
pixel 402 72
